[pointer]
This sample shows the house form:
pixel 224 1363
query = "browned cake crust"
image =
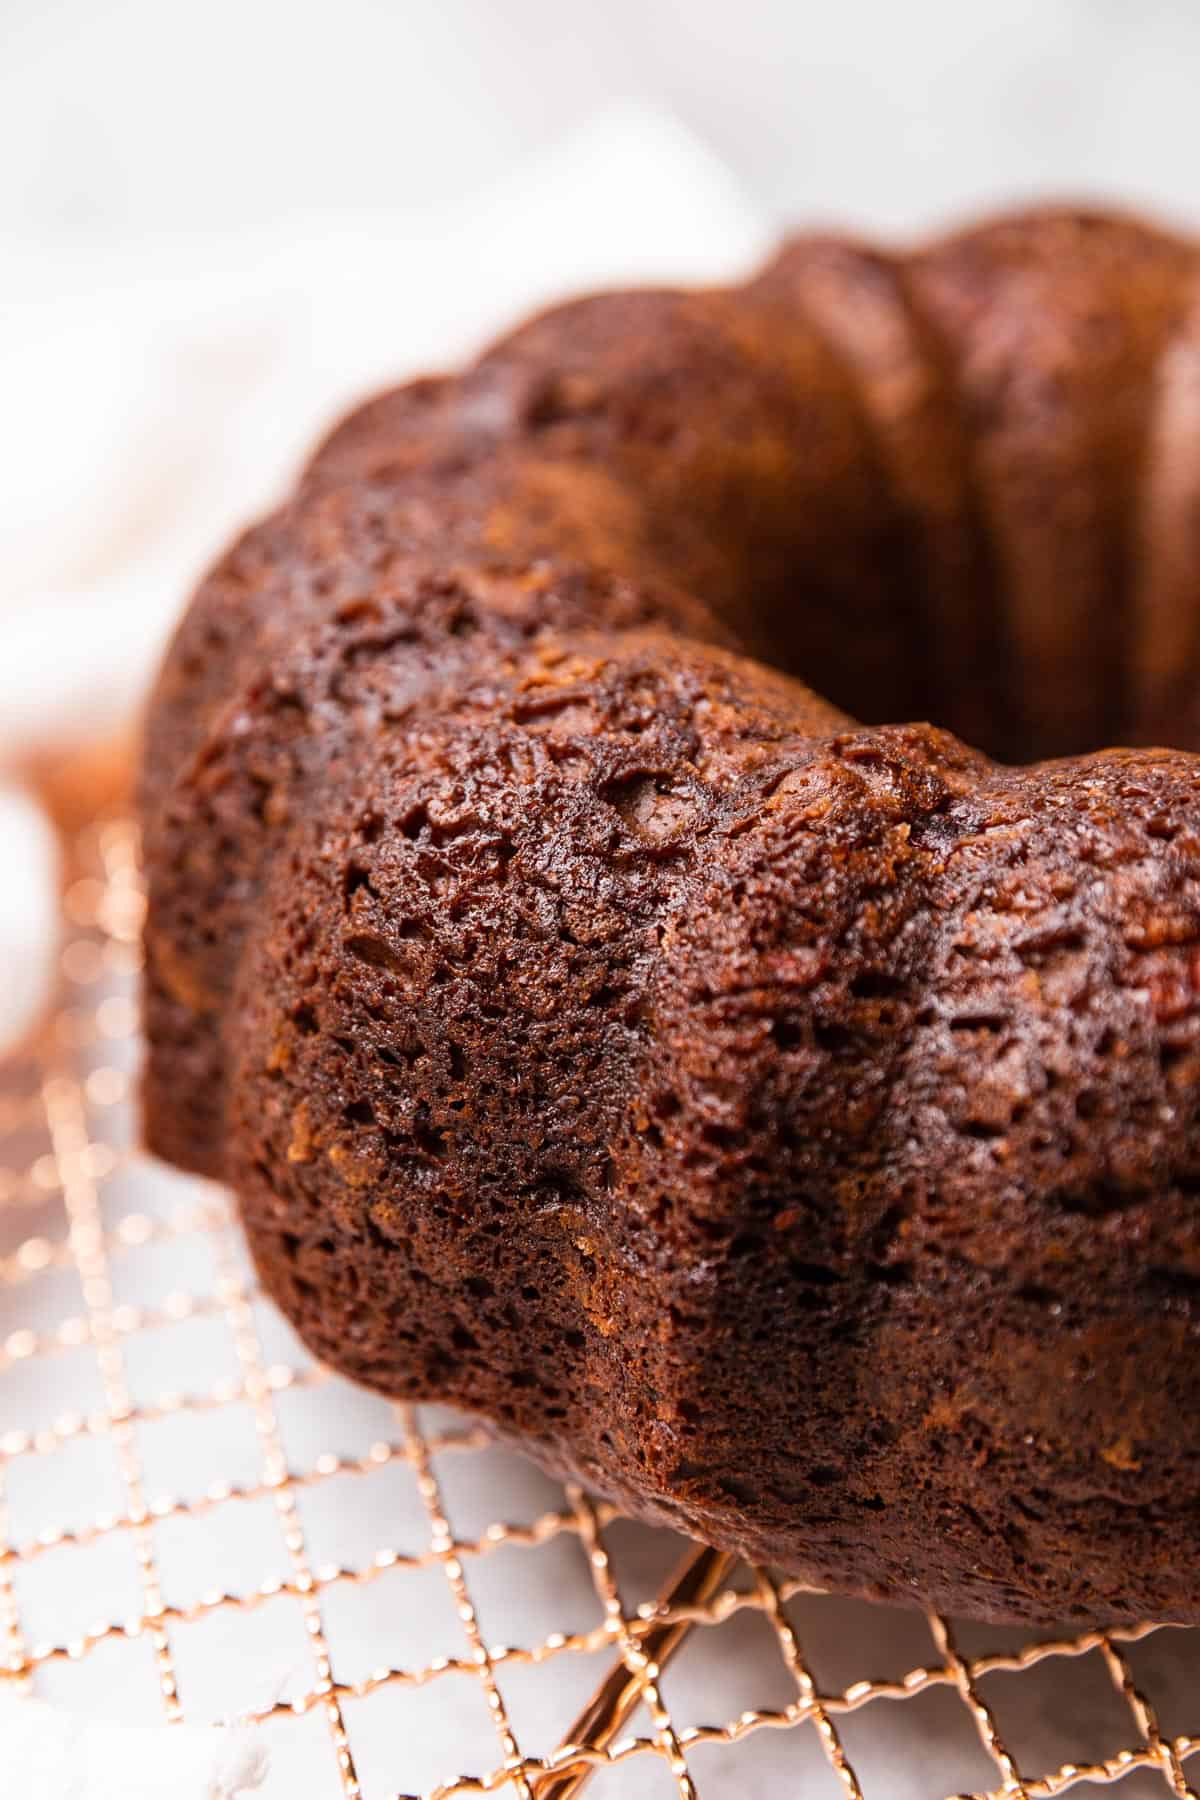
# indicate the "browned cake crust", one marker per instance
pixel 786 1125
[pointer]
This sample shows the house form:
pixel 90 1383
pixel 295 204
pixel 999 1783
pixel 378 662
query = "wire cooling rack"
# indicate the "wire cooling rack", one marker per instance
pixel 196 1520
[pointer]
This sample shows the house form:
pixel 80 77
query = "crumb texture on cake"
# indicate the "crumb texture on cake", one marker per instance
pixel 784 1119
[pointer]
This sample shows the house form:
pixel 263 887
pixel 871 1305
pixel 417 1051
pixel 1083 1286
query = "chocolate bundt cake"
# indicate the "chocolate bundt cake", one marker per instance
pixel 785 1121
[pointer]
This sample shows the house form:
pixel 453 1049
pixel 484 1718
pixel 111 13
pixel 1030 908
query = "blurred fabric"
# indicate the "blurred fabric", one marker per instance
pixel 62 1757
pixel 164 393
pixel 218 224
pixel 136 119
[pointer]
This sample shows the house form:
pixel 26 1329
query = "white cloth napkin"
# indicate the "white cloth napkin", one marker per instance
pixel 51 1755
pixel 27 904
pixel 154 401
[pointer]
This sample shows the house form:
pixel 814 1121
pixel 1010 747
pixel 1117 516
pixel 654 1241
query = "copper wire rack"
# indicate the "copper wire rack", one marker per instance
pixel 197 1520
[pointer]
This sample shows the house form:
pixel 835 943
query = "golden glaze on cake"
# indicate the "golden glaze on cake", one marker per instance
pixel 786 1124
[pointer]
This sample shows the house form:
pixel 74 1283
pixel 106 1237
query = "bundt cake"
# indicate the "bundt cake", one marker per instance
pixel 785 1121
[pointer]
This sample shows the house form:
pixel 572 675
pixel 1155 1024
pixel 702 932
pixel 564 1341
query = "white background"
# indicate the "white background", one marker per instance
pixel 139 118
pixel 220 221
